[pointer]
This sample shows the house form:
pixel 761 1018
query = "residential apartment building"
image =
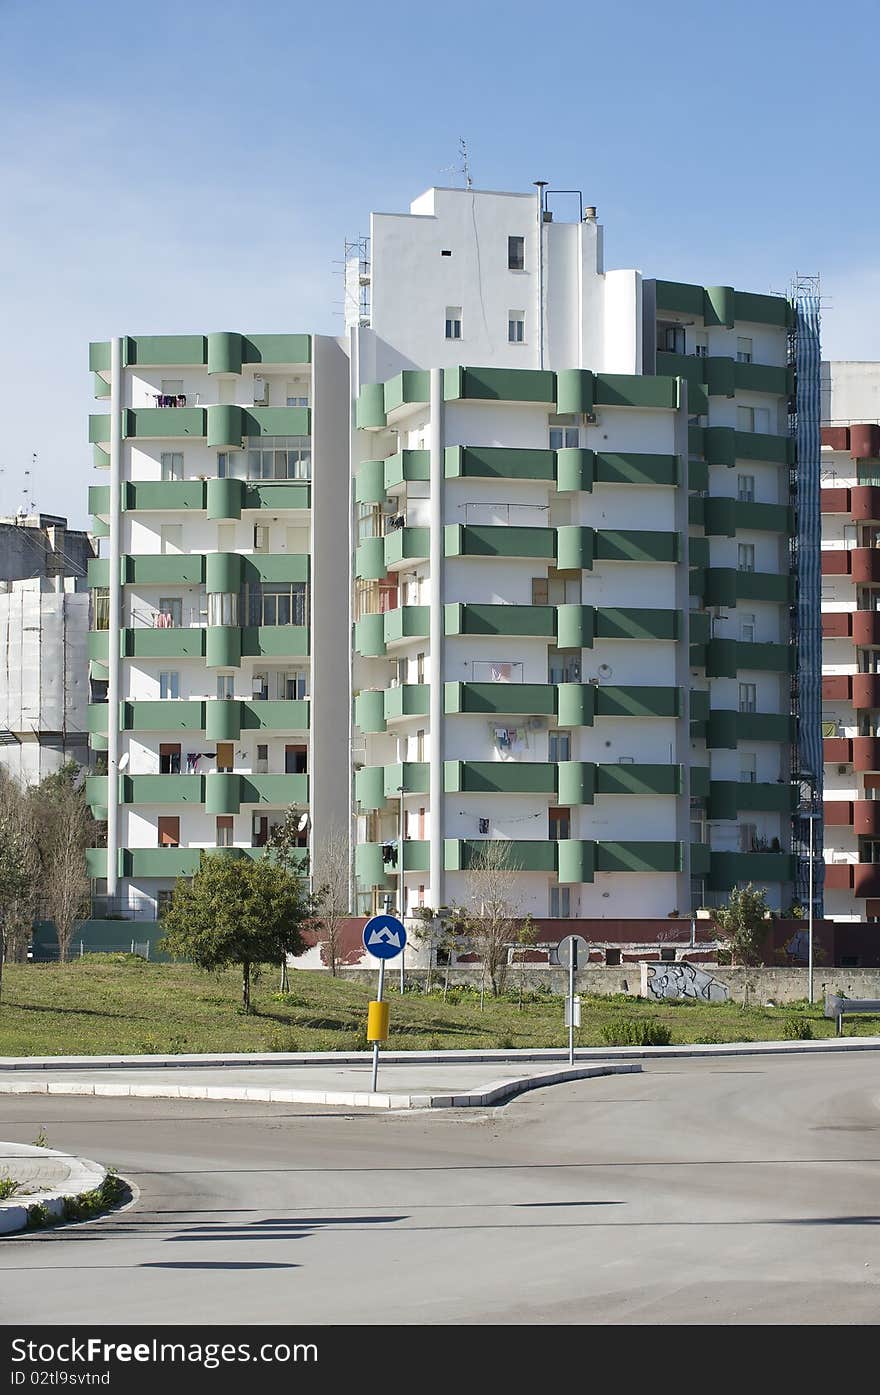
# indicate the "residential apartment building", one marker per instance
pixel 219 650
pixel 575 586
pixel 851 637
pixel 510 561
pixel 44 625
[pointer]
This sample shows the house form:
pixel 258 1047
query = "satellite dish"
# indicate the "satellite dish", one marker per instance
pixel 123 761
pixel 303 823
pixel 604 670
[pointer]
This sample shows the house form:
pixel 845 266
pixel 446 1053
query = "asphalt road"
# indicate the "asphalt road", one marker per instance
pixel 739 1191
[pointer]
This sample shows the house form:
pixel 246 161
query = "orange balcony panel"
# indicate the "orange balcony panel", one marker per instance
pixel 838 686
pixel 866 818
pixel 866 753
pixel 865 503
pixel 838 813
pixel 837 562
pixel 839 876
pixel 838 624
pixel 836 437
pixel 837 750
pixel 866 878
pixel 865 627
pixel 865 689
pixel 864 441
pixel 864 564
pixel 835 500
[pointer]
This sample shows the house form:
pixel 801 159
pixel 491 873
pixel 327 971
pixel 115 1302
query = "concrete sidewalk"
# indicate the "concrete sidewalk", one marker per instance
pixel 45 1176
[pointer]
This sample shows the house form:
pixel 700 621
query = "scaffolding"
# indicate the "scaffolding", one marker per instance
pixel 357 272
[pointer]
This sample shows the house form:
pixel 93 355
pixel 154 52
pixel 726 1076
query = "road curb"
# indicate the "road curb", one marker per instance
pixel 480 1097
pixel 85 1176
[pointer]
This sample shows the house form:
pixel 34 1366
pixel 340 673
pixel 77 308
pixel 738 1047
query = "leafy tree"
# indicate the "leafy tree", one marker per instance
pixel 17 865
pixel 65 828
pixel 238 912
pixel 743 924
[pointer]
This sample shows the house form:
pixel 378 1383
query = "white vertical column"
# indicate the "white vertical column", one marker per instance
pixel 435 633
pixel 114 637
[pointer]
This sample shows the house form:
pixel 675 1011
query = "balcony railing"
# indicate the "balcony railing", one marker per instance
pixel 195 617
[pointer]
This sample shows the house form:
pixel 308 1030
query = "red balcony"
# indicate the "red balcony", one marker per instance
pixel 837 750
pixel 866 878
pixel 839 876
pixel 835 500
pixel 836 437
pixel 837 624
pixel 866 753
pixel 838 813
pixel 866 818
pixel 836 561
pixel 865 626
pixel 864 441
pixel 865 503
pixel 864 564
pixel 865 689
pixel 837 686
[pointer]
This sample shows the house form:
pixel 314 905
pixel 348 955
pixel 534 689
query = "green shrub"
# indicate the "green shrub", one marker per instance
pixel 39 1215
pixel 639 1031
pixel 282 1039
pixel 8 1188
pixel 797 1029
pixel 505 1042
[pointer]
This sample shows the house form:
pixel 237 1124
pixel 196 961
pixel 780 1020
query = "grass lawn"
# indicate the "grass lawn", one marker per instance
pixel 113 1003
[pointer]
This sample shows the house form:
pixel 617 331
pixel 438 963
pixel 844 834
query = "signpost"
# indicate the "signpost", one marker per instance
pixel 572 952
pixel 384 937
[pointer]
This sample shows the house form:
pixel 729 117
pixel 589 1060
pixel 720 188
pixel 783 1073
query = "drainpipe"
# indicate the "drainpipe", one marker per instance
pixel 540 185
pixel 435 631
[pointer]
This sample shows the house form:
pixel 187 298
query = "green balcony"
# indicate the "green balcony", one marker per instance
pixel 166 714
pixel 371 868
pixel 278 495
pixel 634 468
pixel 724 728
pixel 729 869
pixel 163 644
pixel 274 642
pixel 99 500
pixel 642 546
pixel 406 622
pixel 490 540
pixel 722 304
pixel 499 385
pixel 97 718
pixel 499 462
pixel 500 777
pixel 630 623
pixel 524 855
pixel 275 715
pixel 172 423
pixel 277 790
pixel 165 496
pixel 728 797
pixel 642 780
pixel 725 586
pixel 635 390
pixel 158 862
pixel 407 700
pixel 525 620
pixel 374 478
pixel 181 569
pixel 403 545
pixel 410 388
pixel 639 857
pixel 615 701
pixel 511 699
pixel 161 789
pixel 376 785
pixel 99 645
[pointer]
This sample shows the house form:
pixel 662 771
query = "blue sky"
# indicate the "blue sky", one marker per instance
pixel 197 165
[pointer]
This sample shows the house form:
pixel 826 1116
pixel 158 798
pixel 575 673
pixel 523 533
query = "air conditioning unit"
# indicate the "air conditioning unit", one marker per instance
pixel 842 769
pixel 590 419
pixel 537 723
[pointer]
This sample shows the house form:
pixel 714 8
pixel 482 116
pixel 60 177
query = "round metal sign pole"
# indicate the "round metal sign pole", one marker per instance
pixel 375 1043
pixel 571 963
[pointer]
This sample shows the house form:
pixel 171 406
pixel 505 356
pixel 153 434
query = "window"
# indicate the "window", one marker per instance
pixel 745 557
pixel 169 831
pixel 743 350
pixel 171 608
pixel 747 768
pixel 748 837
pixel 563 432
pixel 163 901
pixel 762 419
pixel 282 685
pixel 516 326
pixel 563 666
pixel 261 537
pixel 225 685
pixel 748 697
pixel 753 419
pixel 279 458
pixel 275 603
pixel 170 537
pixel 261 764
pixel 101 607
pixel 560 902
pixel 261 391
pixel 745 489
pixel 420 668
pixel 701 345
pixel 224 830
pixel 559 746
pixel 558 824
pixel 747 629
pixel 453 322
pixel 225 757
pixel 223 608
pixel 516 250
pixel 169 758
pixel 295 760
pixel 169 685
pixel 420 745
pixel 172 465
pixel 295 395
pixel 224 464
pixel 673 339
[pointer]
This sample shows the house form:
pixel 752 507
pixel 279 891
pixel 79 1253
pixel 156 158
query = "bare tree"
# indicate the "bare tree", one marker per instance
pixel 19 865
pixel 331 890
pixel 492 913
pixel 66 833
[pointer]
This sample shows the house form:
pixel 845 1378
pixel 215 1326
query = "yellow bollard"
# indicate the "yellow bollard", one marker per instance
pixel 377 1021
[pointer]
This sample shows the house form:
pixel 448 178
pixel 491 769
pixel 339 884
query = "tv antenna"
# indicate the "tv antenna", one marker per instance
pixel 463 167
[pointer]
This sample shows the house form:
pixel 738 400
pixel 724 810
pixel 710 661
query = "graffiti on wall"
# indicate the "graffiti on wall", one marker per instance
pixel 661 981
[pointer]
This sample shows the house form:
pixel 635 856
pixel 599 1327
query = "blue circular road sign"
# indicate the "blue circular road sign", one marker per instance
pixel 384 936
